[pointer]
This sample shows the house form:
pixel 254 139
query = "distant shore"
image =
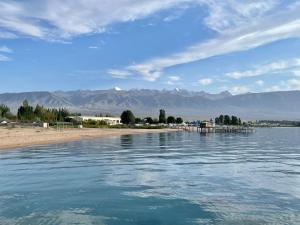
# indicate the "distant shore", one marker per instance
pixel 25 137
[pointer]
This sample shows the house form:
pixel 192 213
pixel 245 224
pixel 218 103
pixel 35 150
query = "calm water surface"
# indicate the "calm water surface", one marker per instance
pixel 155 179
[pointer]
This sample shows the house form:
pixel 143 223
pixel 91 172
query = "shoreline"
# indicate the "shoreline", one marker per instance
pixel 26 137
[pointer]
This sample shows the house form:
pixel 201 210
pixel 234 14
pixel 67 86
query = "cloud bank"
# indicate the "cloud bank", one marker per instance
pixel 56 19
pixel 244 34
pixel 238 26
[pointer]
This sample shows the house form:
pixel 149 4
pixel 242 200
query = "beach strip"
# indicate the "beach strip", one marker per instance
pixel 25 137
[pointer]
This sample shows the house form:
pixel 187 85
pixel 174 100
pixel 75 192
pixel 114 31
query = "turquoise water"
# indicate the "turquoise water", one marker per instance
pixel 155 179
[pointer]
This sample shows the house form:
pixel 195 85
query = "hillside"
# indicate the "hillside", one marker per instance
pixel 190 105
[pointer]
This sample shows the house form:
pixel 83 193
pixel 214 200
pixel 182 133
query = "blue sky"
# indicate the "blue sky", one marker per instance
pixel 210 45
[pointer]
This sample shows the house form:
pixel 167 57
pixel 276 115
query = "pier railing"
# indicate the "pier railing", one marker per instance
pixel 217 129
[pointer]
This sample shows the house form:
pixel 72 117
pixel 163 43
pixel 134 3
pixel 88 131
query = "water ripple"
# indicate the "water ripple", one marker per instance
pixel 166 178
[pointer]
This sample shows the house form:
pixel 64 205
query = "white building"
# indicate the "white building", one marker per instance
pixel 108 120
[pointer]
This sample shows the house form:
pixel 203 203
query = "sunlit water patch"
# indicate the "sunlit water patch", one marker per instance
pixel 152 179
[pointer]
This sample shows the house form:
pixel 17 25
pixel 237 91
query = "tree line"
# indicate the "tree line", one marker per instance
pixel 5 112
pixel 27 113
pixel 127 117
pixel 228 120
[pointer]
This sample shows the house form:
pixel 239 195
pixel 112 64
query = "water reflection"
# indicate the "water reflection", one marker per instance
pixel 162 140
pixel 126 141
pixel 166 178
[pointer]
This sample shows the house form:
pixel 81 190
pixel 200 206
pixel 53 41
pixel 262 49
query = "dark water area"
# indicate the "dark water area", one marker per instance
pixel 155 179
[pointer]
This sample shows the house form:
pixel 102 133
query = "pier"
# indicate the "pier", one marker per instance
pixel 219 129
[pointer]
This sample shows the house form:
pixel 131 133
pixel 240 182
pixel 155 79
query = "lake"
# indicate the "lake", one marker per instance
pixel 155 179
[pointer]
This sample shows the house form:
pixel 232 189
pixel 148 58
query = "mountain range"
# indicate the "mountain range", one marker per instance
pixel 284 105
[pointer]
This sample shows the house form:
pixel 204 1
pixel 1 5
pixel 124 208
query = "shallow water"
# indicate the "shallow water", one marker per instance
pixel 155 179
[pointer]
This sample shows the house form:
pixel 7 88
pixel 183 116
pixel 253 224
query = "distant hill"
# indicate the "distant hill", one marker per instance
pixel 190 105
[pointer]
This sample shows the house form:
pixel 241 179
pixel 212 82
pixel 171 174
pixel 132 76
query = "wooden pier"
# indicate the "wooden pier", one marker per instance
pixel 221 129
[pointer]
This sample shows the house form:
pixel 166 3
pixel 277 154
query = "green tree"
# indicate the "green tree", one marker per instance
pixel 227 120
pixel 25 103
pixel 138 120
pixel 240 121
pixel 127 117
pixel 62 114
pixel 234 120
pixel 25 112
pixel 171 119
pixel 155 121
pixel 39 112
pixel 217 120
pixel 162 116
pixel 179 120
pixel 221 119
pixel 149 120
pixel 4 111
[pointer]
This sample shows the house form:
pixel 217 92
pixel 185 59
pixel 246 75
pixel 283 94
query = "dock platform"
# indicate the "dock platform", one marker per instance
pixel 221 129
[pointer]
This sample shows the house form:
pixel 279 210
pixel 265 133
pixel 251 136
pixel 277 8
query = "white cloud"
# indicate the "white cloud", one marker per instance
pixel 174 78
pixel 52 19
pixel 260 70
pixel 120 74
pixel 224 15
pixel 146 71
pixel 244 35
pixel 286 85
pixel 5 49
pixel 205 81
pixel 236 90
pixel 240 25
pixel 7 35
pixel 296 72
pixel 260 83
pixel 4 58
pixel 175 14
pixel 93 47
pixel 293 84
pixel 273 88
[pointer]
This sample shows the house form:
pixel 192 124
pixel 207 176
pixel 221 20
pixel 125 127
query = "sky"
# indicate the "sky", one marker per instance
pixel 200 45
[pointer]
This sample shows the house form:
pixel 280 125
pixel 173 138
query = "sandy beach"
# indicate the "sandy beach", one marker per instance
pixel 24 137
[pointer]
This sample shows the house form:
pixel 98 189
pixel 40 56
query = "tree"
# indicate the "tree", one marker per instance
pixel 149 120
pixel 39 112
pixel 138 120
pixel 127 117
pixel 162 116
pixel 240 122
pixel 179 120
pixel 171 119
pixel 155 121
pixel 217 120
pixel 25 112
pixel 25 103
pixel 234 120
pixel 227 120
pixel 4 111
pixel 62 114
pixel 221 119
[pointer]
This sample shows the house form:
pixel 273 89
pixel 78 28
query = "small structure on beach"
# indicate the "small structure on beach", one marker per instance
pixel 45 125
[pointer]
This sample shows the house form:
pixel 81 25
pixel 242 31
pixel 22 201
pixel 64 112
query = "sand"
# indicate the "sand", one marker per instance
pixel 24 137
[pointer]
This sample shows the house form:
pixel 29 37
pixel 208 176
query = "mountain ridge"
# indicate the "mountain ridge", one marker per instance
pixel 178 102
